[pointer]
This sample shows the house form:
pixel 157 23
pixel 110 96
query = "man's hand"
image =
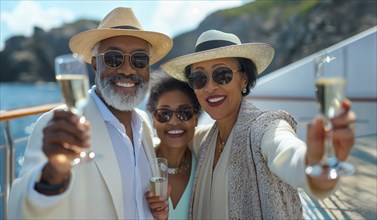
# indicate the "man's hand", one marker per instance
pixel 64 138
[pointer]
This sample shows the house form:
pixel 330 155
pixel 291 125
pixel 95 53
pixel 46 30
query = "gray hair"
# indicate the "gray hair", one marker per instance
pixel 95 49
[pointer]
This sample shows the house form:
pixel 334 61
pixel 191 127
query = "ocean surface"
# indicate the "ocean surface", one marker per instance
pixel 17 95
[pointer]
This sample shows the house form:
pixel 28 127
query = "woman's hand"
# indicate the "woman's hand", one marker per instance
pixel 343 136
pixel 159 207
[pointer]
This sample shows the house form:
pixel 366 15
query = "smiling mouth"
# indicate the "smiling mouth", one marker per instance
pixel 126 84
pixel 214 100
pixel 175 132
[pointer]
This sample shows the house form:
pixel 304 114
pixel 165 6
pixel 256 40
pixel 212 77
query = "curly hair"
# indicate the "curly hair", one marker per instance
pixel 165 83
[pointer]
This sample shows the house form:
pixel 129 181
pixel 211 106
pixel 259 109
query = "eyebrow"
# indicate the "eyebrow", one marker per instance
pixel 117 48
pixel 219 64
pixel 178 107
pixel 213 66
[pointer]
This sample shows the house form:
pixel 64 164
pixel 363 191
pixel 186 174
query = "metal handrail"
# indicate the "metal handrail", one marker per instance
pixel 9 147
pixel 26 111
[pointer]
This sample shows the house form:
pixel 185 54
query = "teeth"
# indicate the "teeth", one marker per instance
pixel 216 99
pixel 127 85
pixel 175 132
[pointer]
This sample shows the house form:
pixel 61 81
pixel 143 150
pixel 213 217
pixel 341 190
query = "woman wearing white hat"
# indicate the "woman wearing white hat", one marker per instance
pixel 250 162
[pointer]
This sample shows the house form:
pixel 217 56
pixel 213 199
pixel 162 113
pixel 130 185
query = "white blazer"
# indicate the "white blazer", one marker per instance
pixel 95 190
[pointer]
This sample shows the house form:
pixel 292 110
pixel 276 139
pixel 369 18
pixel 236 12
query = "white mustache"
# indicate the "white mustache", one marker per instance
pixel 120 76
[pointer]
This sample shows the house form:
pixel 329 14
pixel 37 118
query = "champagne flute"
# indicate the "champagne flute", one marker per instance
pixel 159 179
pixel 330 81
pixel 72 76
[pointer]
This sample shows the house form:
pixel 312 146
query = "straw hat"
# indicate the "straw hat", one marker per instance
pixel 214 44
pixel 120 22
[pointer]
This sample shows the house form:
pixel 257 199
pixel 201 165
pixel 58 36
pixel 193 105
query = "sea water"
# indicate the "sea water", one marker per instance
pixel 17 95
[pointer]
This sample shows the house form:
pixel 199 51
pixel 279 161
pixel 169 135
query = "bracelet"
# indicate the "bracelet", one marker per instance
pixel 51 189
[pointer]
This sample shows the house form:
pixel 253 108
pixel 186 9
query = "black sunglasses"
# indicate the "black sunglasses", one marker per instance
pixel 221 76
pixel 163 115
pixel 114 59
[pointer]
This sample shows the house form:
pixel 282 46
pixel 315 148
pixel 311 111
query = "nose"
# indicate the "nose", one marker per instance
pixel 174 119
pixel 126 66
pixel 211 85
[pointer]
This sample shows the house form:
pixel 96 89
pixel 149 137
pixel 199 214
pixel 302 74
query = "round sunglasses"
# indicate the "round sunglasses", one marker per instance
pixel 221 76
pixel 114 59
pixel 164 115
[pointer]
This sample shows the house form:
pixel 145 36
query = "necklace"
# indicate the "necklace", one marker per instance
pixel 183 166
pixel 181 169
pixel 221 144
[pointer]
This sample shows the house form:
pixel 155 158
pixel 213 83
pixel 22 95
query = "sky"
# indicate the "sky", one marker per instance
pixel 18 17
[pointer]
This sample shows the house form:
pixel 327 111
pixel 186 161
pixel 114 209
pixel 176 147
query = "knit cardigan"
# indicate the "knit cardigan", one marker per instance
pixel 254 191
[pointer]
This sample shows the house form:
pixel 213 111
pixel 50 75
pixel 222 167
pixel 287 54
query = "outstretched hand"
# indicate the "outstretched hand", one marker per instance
pixel 343 136
pixel 63 139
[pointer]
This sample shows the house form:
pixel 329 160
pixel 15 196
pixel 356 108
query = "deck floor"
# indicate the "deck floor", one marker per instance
pixel 357 195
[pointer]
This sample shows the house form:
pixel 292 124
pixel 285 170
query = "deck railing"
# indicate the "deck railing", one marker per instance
pixel 9 147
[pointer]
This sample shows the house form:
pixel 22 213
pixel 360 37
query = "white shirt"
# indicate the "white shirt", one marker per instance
pixel 132 161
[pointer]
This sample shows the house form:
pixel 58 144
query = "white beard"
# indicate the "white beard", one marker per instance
pixel 121 102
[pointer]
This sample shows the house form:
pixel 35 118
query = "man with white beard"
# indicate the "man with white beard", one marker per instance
pixel 112 186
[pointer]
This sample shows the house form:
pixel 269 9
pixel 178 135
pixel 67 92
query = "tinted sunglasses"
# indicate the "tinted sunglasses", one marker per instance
pixel 163 115
pixel 221 76
pixel 114 59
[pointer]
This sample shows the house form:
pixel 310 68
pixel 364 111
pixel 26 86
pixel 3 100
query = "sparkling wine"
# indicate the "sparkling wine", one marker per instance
pixel 74 89
pixel 330 94
pixel 159 186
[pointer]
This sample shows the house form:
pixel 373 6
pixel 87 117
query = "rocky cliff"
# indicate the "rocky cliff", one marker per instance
pixel 296 29
pixel 31 59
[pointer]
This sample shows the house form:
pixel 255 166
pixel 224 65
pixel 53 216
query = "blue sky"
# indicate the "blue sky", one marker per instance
pixel 170 17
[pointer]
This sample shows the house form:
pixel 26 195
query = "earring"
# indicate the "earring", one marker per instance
pixel 244 91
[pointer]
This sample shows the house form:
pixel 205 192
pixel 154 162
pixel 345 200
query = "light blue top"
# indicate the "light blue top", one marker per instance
pixel 182 208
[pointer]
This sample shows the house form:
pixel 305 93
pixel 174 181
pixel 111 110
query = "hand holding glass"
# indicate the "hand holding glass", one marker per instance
pixel 159 180
pixel 330 84
pixel 72 76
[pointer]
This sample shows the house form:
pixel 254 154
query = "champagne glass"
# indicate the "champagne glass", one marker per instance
pixel 330 82
pixel 159 179
pixel 72 76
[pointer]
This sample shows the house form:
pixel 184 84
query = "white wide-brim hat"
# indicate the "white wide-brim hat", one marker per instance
pixel 214 44
pixel 120 22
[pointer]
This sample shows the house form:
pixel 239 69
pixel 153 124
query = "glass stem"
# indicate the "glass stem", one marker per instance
pixel 329 154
